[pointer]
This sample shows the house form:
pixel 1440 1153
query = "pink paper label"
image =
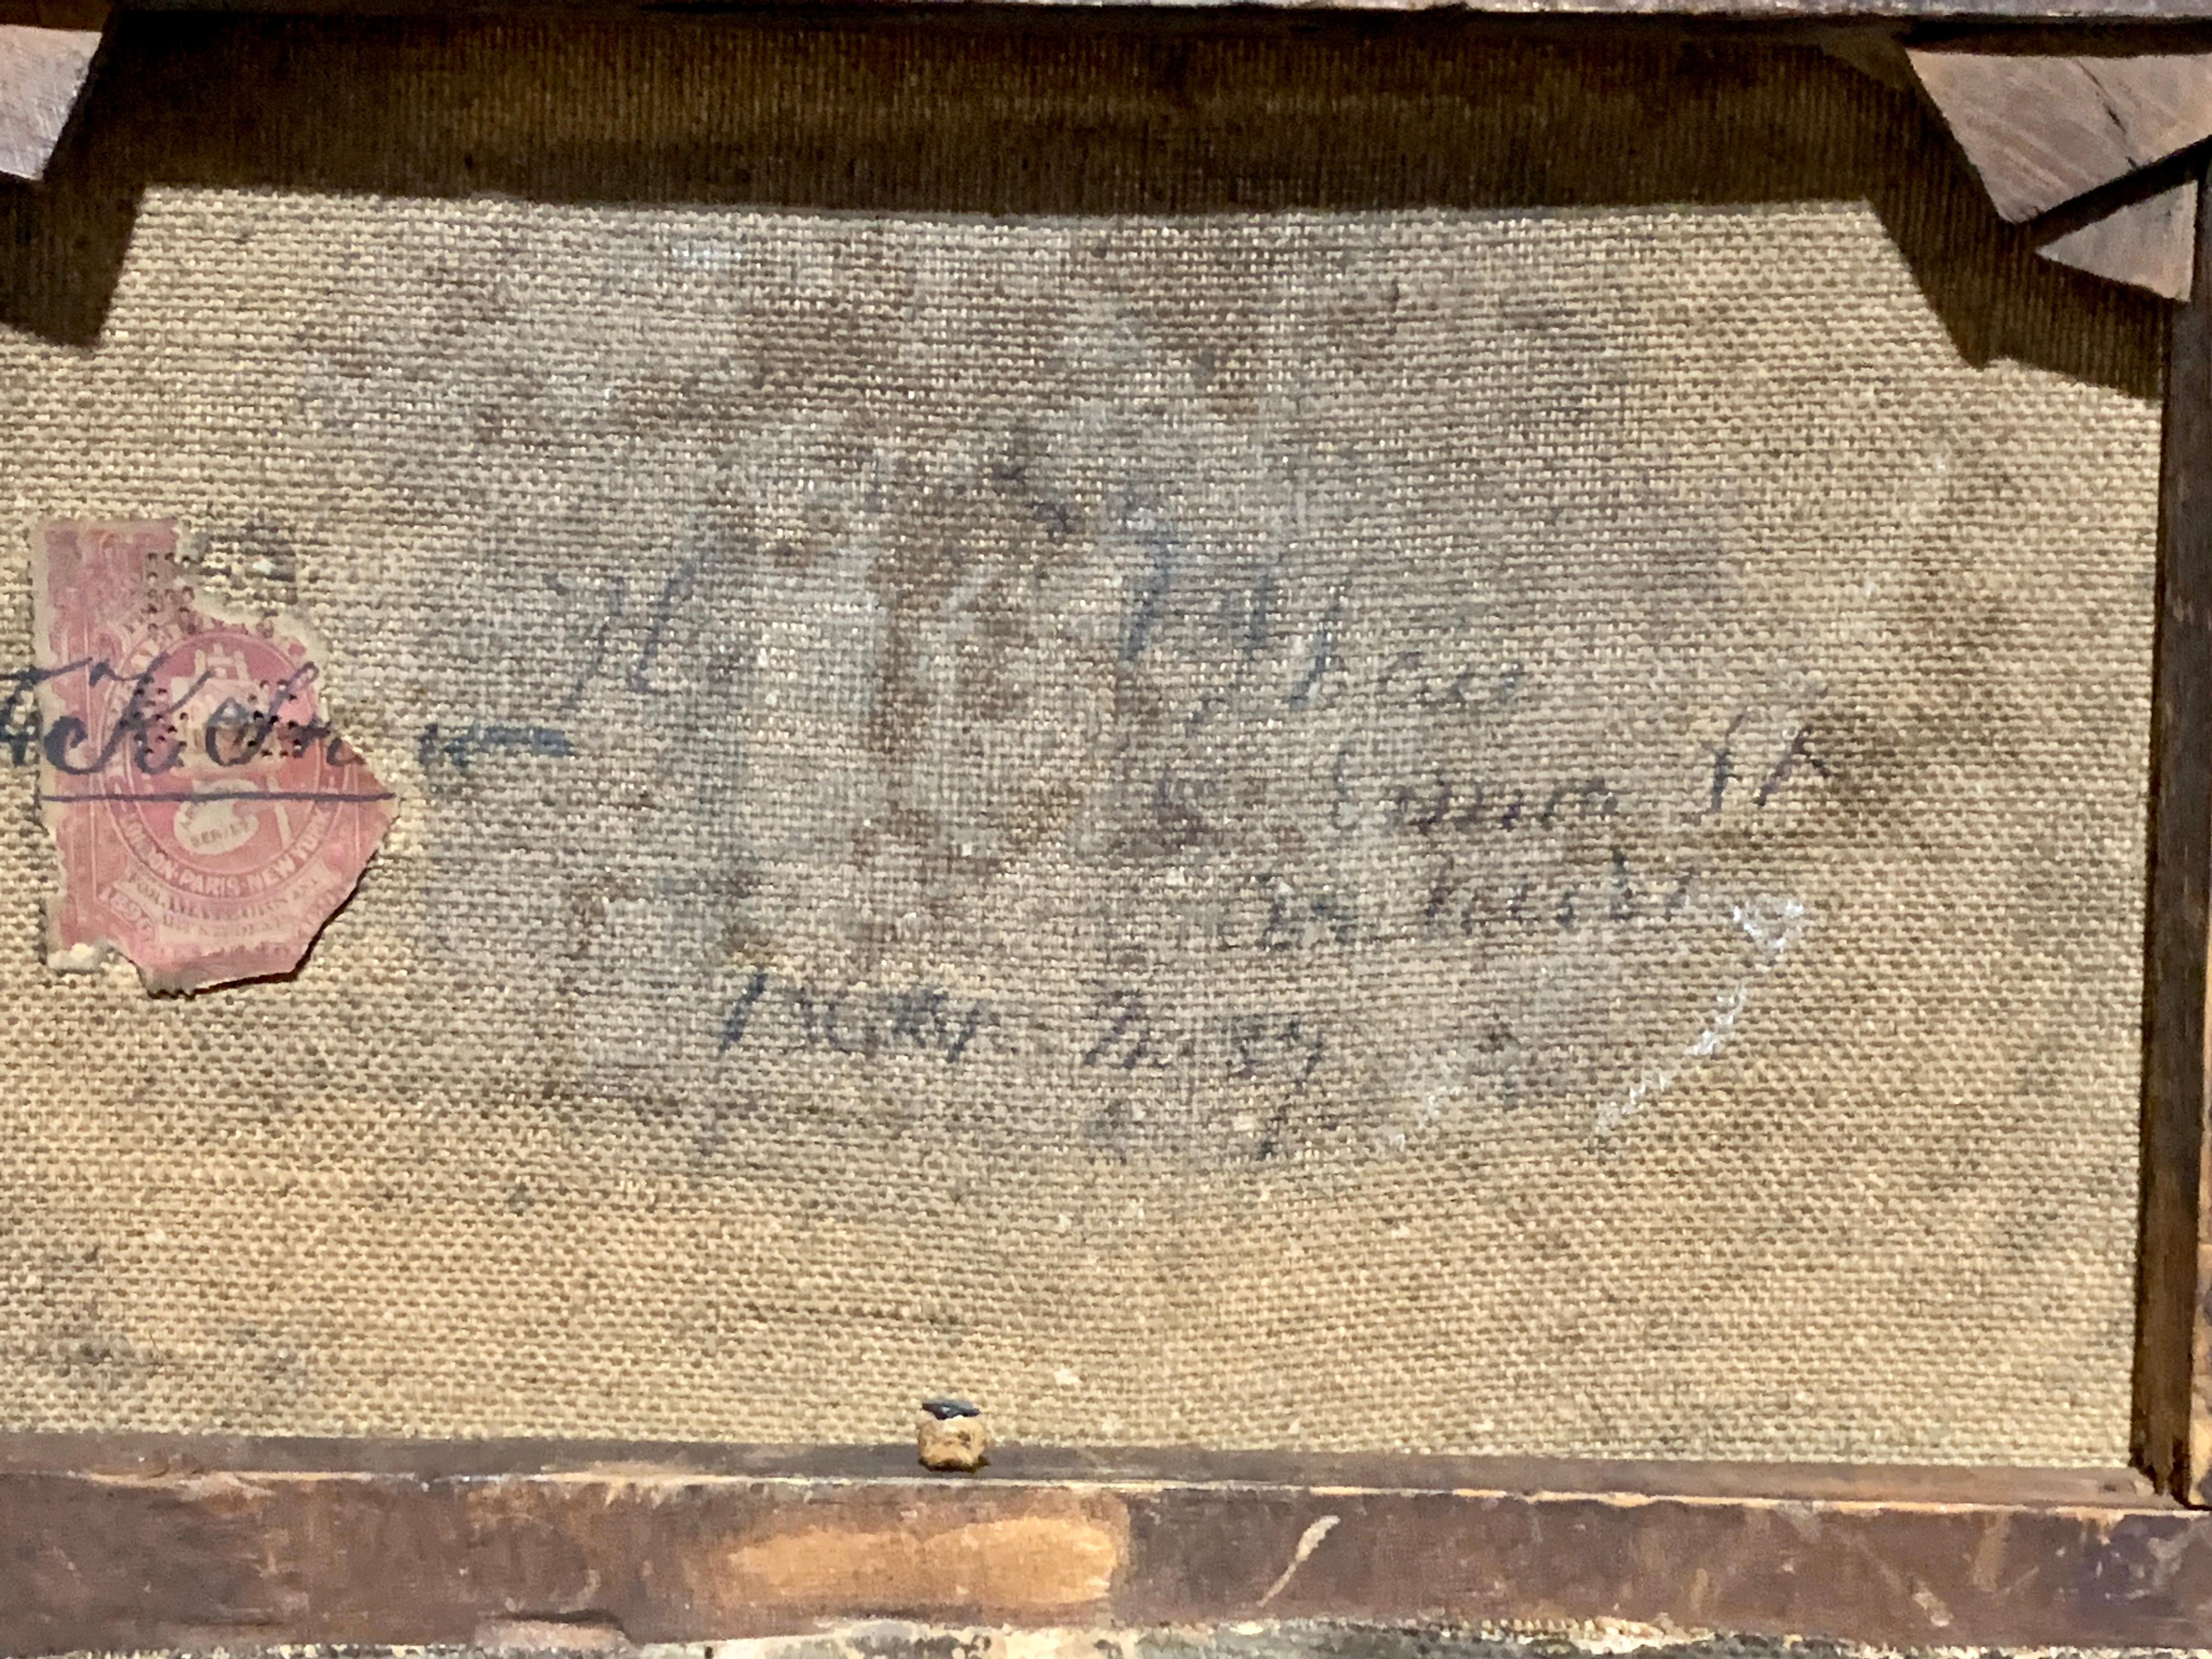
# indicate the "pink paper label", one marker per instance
pixel 209 820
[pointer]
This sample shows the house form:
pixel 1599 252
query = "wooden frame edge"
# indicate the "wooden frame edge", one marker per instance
pixel 144 1543
pixel 2173 1433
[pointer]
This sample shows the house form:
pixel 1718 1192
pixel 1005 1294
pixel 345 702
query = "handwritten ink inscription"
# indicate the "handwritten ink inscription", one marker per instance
pixel 209 820
pixel 796 1016
pixel 1286 842
pixel 165 715
pixel 1271 1046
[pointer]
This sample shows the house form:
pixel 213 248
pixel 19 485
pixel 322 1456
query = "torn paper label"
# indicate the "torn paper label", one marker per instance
pixel 209 820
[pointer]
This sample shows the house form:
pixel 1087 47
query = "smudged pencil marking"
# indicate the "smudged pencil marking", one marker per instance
pixel 673 591
pixel 1152 597
pixel 741 1012
pixel 1725 762
pixel 861 1021
pixel 1799 753
pixel 597 656
pixel 461 747
pixel 1260 614
pixel 1316 686
pixel 1128 1011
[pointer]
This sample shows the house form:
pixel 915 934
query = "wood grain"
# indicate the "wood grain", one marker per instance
pixel 42 71
pixel 2151 243
pixel 2041 129
pixel 153 1542
pixel 2173 1428
pixel 2125 16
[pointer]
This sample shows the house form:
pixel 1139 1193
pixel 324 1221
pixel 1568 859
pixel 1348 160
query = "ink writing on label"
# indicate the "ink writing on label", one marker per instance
pixel 238 733
pixel 153 733
pixel 160 725
pixel 207 819
pixel 791 1016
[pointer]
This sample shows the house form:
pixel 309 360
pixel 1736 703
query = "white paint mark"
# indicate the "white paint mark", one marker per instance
pixel 1309 1541
pixel 1932 1605
pixel 1771 925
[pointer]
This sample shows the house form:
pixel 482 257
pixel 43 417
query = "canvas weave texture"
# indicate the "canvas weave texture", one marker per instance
pixel 1427 828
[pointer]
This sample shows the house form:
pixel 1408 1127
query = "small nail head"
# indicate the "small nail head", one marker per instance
pixel 946 1409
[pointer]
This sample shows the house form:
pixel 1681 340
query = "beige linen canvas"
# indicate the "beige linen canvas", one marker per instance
pixel 1429 825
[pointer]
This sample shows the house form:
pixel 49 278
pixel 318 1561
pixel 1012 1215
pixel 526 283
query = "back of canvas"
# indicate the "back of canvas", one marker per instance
pixel 1484 792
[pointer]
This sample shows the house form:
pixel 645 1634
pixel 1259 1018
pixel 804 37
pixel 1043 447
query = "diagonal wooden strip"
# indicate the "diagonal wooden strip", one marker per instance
pixel 41 72
pixel 2042 129
pixel 2151 243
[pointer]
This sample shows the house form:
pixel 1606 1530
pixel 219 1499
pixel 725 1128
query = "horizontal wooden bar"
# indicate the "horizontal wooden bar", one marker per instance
pixel 2128 14
pixel 115 1542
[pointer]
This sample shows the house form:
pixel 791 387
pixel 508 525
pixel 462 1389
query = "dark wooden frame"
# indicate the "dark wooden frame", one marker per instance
pixel 135 1541
pixel 2173 1320
pixel 150 1541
